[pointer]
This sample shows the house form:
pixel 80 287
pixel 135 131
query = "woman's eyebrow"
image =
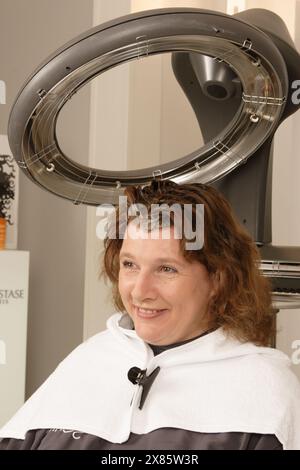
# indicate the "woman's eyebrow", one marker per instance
pixel 158 260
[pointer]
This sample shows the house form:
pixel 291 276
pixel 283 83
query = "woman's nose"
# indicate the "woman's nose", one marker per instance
pixel 143 288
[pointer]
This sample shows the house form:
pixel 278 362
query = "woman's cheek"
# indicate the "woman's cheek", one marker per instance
pixel 125 283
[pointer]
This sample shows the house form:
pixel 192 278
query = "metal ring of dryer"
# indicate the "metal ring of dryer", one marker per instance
pixel 245 49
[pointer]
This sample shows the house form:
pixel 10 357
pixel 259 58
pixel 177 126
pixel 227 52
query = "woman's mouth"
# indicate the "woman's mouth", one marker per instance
pixel 148 312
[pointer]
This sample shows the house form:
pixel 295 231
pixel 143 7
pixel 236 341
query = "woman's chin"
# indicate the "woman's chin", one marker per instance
pixel 149 335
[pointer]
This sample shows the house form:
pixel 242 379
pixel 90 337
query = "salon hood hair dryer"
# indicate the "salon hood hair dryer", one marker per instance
pixel 240 69
pixel 213 85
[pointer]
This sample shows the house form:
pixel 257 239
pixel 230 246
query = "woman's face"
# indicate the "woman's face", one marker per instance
pixel 165 295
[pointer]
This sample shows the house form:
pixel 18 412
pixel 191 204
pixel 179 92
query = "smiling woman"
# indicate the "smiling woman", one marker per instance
pixel 220 282
pixel 185 363
pixel 167 298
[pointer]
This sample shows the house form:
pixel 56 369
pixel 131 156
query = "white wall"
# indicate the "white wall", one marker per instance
pixel 108 150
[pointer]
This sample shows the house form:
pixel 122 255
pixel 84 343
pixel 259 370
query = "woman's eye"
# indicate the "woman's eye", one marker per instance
pixel 127 264
pixel 168 269
pixel 164 269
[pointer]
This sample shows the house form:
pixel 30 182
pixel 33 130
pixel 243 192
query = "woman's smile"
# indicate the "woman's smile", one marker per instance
pixel 148 313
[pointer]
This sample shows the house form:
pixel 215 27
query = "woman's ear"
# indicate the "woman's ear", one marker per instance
pixel 215 282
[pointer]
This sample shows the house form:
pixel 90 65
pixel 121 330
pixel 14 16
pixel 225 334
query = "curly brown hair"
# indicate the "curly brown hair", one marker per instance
pixel 241 303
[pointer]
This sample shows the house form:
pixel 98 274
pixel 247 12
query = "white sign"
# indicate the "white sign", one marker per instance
pixel 11 230
pixel 14 274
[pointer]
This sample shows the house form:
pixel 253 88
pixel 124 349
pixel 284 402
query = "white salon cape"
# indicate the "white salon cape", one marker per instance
pixel 212 384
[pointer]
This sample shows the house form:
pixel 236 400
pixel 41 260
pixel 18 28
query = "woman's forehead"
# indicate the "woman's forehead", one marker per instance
pixel 168 236
pixel 137 231
pixel 162 242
